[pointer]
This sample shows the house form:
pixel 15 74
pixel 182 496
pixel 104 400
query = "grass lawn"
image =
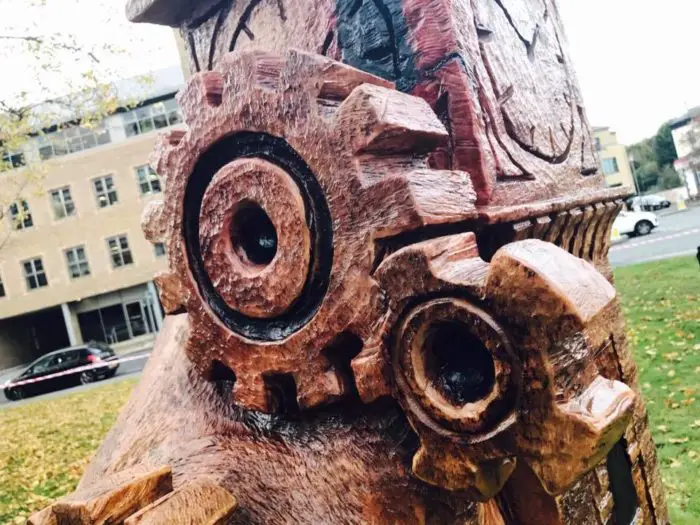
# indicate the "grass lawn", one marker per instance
pixel 45 445
pixel 661 301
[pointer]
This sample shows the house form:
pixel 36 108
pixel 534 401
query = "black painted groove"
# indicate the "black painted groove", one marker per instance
pixel 242 23
pixel 193 50
pixel 279 152
pixel 327 42
pixel 215 34
pixel 622 485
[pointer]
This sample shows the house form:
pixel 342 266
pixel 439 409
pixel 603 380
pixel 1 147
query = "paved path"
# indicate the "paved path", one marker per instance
pixel 678 234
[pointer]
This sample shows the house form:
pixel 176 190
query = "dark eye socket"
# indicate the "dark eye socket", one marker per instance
pixel 458 364
pixel 253 235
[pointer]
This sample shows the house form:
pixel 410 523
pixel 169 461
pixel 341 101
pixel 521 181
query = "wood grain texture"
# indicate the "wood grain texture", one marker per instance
pixel 496 72
pixel 359 161
pixel 110 499
pixel 201 502
pixel 391 340
pixel 333 465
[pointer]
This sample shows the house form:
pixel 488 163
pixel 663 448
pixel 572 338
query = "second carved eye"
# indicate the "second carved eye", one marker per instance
pixel 457 366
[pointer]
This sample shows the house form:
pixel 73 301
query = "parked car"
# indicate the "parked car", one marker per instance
pixel 648 203
pixel 635 223
pixel 62 363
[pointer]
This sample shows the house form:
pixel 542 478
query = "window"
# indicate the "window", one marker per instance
pixel 154 116
pixel 12 159
pixel 610 166
pixel 597 144
pixel 148 180
pixel 20 215
pixel 159 248
pixel 105 192
pixel 71 140
pixel 119 251
pixel 62 203
pixel 77 262
pixel 34 273
pixel 2 288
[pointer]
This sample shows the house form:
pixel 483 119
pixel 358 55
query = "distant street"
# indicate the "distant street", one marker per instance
pixel 678 234
pixel 126 369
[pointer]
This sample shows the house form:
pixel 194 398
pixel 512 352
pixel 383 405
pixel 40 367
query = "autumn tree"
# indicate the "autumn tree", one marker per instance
pixel 52 79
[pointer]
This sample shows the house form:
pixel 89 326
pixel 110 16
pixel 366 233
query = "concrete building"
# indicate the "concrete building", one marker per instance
pixel 686 138
pixel 76 266
pixel 614 162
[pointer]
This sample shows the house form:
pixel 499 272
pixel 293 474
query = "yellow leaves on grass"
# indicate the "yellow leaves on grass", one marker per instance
pixel 46 444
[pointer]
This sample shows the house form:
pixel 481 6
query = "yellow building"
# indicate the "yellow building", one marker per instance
pixel 76 266
pixel 614 162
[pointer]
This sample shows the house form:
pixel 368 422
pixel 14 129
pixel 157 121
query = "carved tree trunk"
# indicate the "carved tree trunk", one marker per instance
pixel 389 298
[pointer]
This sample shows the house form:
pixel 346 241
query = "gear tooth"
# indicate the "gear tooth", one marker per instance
pixel 597 417
pixel 402 202
pixel 421 268
pixel 252 392
pixel 121 494
pixel 173 294
pixel 153 222
pixel 523 272
pixel 318 389
pixel 446 465
pixel 257 67
pixel 334 80
pixel 161 158
pixel 384 121
pixel 371 371
pixel 203 90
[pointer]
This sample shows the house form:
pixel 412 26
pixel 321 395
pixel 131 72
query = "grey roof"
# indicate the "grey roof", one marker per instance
pixel 687 117
pixel 162 82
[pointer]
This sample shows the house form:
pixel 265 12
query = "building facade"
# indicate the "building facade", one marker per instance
pixel 75 266
pixel 686 138
pixel 614 162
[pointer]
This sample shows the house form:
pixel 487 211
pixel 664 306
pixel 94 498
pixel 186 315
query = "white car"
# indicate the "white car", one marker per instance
pixel 634 223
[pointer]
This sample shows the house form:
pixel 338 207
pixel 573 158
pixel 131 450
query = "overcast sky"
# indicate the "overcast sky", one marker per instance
pixel 634 58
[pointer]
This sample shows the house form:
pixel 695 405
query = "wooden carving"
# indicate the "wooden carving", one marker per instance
pixel 388 299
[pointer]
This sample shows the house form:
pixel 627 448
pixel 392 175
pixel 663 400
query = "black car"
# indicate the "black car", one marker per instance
pixel 62 369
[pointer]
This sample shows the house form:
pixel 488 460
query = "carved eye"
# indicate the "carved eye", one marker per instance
pixel 253 235
pixel 457 366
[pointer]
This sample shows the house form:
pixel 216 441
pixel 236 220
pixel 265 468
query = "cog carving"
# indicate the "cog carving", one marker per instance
pixel 494 363
pixel 290 167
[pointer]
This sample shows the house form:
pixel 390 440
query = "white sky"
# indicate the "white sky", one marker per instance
pixel 635 59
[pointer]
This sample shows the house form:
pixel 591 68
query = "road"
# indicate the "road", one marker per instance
pixel 677 234
pixel 126 369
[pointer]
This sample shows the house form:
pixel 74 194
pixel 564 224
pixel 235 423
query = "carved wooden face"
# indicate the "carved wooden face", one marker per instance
pixel 496 73
pixel 284 200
